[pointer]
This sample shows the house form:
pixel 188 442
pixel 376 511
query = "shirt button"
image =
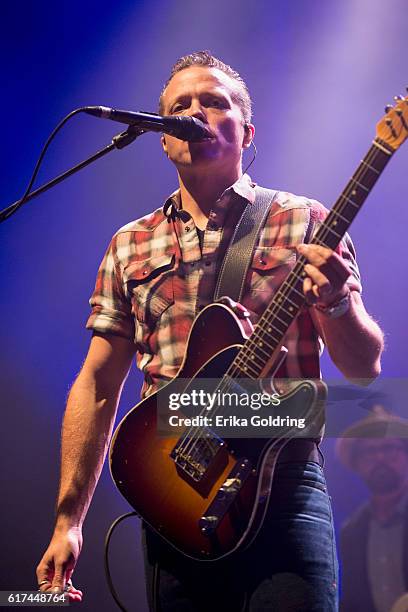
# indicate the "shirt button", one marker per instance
pixel 187 229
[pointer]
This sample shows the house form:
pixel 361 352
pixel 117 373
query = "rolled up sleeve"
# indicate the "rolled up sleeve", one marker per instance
pixel 111 309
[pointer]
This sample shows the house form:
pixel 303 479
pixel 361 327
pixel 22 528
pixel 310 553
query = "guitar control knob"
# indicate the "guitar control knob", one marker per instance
pixel 208 524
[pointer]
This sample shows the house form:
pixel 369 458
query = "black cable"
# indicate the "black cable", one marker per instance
pixel 106 557
pixel 14 207
pixel 253 158
pixel 156 579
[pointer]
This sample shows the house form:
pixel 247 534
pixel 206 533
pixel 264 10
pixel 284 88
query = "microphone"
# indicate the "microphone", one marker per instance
pixel 184 128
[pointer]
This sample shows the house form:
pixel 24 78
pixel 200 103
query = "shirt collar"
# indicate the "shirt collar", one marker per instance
pixel 243 187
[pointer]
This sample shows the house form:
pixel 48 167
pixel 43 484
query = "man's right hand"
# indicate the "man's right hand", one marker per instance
pixel 88 422
pixel 58 563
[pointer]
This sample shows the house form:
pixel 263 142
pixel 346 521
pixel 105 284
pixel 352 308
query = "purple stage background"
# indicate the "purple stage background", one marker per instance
pixel 320 74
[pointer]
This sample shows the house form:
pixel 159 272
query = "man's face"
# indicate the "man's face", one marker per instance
pixel 207 94
pixel 383 464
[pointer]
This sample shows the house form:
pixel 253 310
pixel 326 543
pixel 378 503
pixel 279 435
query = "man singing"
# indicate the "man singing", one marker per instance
pixel 157 274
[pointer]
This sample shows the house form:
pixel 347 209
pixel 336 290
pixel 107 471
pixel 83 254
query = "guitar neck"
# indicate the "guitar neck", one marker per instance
pixel 289 299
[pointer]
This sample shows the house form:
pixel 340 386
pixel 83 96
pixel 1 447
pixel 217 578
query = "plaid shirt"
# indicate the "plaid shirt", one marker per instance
pixel 155 277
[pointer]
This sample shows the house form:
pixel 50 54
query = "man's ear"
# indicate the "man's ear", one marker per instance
pixel 164 144
pixel 248 135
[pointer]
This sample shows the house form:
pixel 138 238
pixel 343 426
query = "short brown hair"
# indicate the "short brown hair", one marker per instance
pixel 204 58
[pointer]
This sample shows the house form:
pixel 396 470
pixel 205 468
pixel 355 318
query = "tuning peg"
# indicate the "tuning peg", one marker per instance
pixel 396 98
pixel 388 108
pixel 402 119
pixel 392 130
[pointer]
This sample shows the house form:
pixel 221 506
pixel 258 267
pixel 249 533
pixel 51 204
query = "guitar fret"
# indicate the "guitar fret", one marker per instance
pixel 237 367
pixel 383 149
pixel 275 316
pixel 268 331
pixel 277 325
pixel 332 231
pixel 245 367
pixel 269 320
pixel 371 167
pixel 361 185
pixel 296 275
pixel 270 346
pixel 350 201
pixel 298 292
pixel 252 357
pixel 287 310
pixel 269 334
pixel 259 340
pixel 254 345
pixel 294 304
pixel 334 212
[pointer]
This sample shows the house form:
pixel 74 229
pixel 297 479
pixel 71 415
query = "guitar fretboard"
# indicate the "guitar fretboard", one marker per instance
pixel 289 299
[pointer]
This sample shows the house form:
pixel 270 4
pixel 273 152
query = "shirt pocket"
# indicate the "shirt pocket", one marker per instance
pixel 269 268
pixel 149 285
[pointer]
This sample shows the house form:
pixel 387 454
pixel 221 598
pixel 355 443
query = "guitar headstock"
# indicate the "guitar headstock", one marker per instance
pixel 392 129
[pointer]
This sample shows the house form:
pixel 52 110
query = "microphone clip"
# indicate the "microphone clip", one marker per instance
pixel 172 213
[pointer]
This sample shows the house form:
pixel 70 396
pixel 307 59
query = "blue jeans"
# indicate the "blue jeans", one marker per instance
pixel 291 566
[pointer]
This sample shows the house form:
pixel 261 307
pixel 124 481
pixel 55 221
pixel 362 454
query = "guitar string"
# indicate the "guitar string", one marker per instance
pixel 360 173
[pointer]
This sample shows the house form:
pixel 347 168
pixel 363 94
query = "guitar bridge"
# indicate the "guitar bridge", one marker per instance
pixel 196 456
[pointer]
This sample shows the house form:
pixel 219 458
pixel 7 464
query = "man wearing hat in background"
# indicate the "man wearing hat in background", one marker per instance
pixel 374 540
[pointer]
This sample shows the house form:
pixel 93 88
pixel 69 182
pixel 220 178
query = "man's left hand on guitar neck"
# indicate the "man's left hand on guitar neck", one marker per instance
pixel 353 338
pixel 327 275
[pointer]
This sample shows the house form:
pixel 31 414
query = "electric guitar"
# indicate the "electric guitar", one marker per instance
pixel 207 495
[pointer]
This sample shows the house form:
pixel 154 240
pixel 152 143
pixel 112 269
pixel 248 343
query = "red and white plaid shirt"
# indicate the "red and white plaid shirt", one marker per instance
pixel 155 278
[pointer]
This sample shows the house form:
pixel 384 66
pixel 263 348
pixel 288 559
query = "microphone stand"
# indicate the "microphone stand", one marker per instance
pixel 118 142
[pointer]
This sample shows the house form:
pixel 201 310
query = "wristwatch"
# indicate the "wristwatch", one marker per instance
pixel 339 308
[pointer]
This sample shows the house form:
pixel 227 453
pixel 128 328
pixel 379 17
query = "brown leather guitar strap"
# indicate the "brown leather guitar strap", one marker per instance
pixel 234 267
